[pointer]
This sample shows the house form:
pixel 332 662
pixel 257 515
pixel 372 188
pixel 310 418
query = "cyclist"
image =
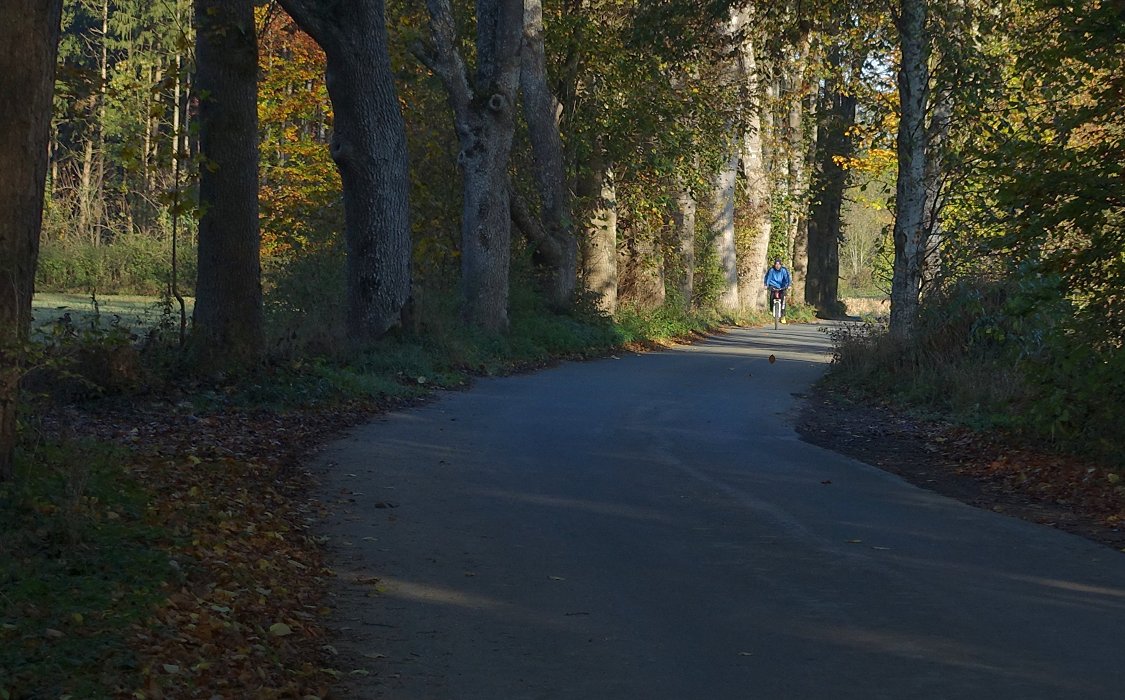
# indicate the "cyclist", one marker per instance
pixel 777 277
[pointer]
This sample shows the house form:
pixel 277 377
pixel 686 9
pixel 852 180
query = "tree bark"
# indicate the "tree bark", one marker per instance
pixel 29 39
pixel 722 228
pixel 797 156
pixel 684 265
pixel 725 179
pixel 937 134
pixel 836 116
pixel 559 253
pixel 484 118
pixel 228 307
pixel 368 146
pixel 752 267
pixel 599 245
pixel 910 189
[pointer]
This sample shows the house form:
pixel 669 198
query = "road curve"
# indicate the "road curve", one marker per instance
pixel 652 527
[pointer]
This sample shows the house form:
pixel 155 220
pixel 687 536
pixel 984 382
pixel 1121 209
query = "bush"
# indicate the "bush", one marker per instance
pixel 131 264
pixel 1007 353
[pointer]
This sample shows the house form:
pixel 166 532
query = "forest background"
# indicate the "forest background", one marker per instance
pixel 560 178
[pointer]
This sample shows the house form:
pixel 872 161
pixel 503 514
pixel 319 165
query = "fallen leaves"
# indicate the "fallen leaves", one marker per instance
pixel 243 614
pixel 991 470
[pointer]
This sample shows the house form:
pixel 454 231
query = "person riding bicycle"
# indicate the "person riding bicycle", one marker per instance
pixel 777 277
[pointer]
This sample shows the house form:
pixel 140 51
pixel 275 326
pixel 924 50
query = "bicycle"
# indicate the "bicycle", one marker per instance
pixel 775 295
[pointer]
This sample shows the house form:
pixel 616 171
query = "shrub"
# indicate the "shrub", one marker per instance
pixel 131 264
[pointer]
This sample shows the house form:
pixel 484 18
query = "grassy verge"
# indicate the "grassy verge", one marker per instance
pixel 135 311
pixel 80 563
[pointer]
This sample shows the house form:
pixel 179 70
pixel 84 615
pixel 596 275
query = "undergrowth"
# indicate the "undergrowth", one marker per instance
pixel 994 355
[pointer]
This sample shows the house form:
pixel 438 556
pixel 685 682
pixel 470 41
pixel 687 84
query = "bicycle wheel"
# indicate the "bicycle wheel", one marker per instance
pixel 776 313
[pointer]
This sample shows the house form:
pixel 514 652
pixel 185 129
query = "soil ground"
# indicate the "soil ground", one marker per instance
pixel 989 471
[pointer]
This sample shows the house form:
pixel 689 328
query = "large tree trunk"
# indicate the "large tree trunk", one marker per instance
pixel 836 115
pixel 369 148
pixel 599 245
pixel 228 306
pixel 725 179
pixel 910 191
pixel 722 228
pixel 29 39
pixel 797 159
pixel 752 266
pixel 484 118
pixel 558 251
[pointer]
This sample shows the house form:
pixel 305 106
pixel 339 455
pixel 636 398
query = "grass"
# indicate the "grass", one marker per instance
pixel 132 310
pixel 78 566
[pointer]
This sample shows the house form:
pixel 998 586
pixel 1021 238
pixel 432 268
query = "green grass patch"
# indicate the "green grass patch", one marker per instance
pixel 133 311
pixel 79 564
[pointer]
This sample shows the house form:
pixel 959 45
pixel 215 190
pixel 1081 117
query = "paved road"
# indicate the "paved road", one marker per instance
pixel 652 527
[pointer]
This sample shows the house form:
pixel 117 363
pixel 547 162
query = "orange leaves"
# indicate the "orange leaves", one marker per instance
pixel 241 614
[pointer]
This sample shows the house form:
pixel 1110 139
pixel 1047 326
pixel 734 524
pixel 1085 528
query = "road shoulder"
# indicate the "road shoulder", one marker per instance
pixel 985 471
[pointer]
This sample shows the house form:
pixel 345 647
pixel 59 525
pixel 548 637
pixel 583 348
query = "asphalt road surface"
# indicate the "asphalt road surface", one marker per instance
pixel 652 527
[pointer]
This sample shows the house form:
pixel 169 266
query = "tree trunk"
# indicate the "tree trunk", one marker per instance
pixel 797 156
pixel 937 134
pixel 752 267
pixel 484 118
pixel 28 44
pixel 684 264
pixel 722 228
pixel 599 249
pixel 559 252
pixel 369 148
pixel 228 307
pixel 910 190
pixel 725 179
pixel 836 115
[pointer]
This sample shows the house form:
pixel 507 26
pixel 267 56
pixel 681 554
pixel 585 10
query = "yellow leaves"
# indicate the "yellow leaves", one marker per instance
pixel 875 161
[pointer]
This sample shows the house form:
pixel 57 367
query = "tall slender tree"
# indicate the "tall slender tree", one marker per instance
pixel 836 115
pixel 228 307
pixel 755 173
pixel 369 148
pixel 910 238
pixel 29 37
pixel 558 246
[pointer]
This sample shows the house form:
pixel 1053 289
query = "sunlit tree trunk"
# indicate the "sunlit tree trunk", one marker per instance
pixel 725 179
pixel 29 35
pixel 752 267
pixel 722 228
pixel 799 109
pixel 368 145
pixel 599 244
pixel 910 192
pixel 228 307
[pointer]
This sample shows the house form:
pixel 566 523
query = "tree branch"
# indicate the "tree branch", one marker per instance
pixel 532 227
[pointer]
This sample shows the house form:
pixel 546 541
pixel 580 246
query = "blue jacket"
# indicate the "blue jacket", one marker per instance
pixel 778 278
